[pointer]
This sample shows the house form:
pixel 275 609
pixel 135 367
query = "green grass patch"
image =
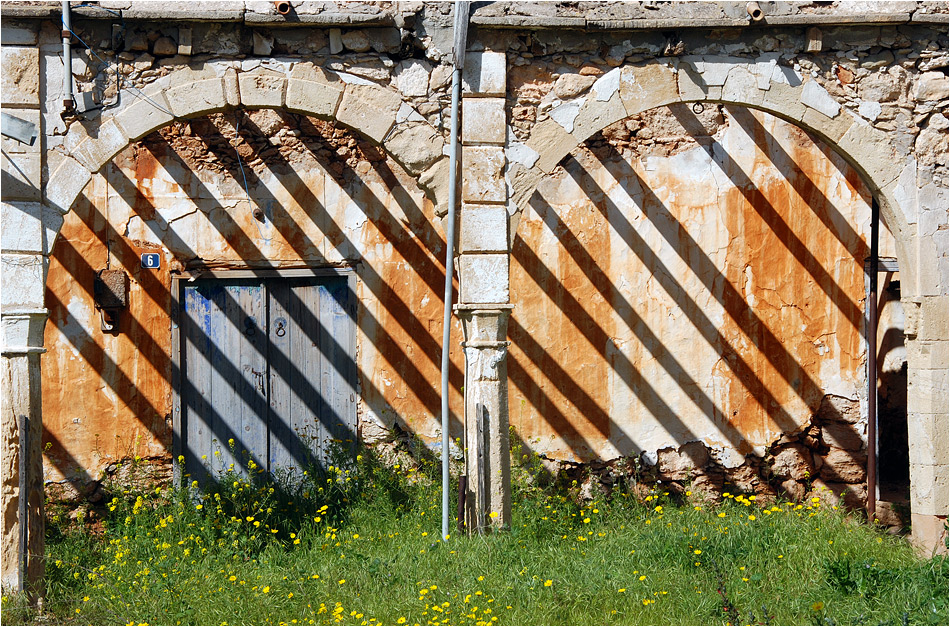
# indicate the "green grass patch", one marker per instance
pixel 362 546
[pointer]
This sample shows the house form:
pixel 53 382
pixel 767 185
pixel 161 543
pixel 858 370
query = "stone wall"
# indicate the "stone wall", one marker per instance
pixel 354 97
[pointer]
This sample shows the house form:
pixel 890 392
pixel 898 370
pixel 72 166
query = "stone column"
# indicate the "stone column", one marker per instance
pixel 22 401
pixel 26 226
pixel 928 396
pixel 487 449
pixel 483 295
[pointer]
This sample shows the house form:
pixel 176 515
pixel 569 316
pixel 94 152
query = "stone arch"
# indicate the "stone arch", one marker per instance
pixel 374 112
pixel 755 83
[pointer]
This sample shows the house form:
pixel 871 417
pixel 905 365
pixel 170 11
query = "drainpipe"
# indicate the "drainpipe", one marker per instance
pixel 67 59
pixel 458 60
pixel 872 365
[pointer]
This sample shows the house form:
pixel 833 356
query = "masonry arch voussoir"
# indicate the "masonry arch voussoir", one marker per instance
pixel 753 83
pixel 375 112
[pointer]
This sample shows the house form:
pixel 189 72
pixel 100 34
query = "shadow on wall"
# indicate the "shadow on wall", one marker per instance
pixel 322 197
pixel 691 277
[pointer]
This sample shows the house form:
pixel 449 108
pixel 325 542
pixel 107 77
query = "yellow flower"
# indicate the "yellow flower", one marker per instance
pixel 342 581
pixel 493 515
pixel 622 590
pixel 721 514
pixel 266 589
pixel 402 619
pixel 817 607
pixel 547 584
pixel 698 552
pixel 751 517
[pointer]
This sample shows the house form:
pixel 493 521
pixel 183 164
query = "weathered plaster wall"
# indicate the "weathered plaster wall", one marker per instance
pixel 680 286
pixel 327 198
pixel 870 78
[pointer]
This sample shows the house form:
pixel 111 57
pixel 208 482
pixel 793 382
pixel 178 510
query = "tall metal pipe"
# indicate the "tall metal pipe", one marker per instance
pixel 872 364
pixel 458 61
pixel 67 58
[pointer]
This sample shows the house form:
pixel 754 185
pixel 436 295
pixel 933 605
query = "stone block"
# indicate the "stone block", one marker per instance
pixel 415 145
pixel 843 466
pixel 21 176
pixel 690 84
pixel 199 97
pixel 872 151
pixel 934 323
pixel 483 228
pixel 313 98
pixel 24 281
pixel 793 461
pixel 832 129
pixel 23 330
pixel 65 184
pixel 485 73
pixel 260 89
pixel 927 391
pixel 843 435
pixel 928 488
pixel 927 434
pixel 369 109
pixel 435 183
pixel 596 115
pixel 149 112
pixel 929 533
pixel 94 152
pixel 483 121
pixel 21 227
pixel 551 142
pixel 930 86
pixel 647 86
pixel 20 82
pixel 483 278
pixel 785 98
pixel 232 91
pixel 483 174
pixel 742 85
pixel 817 97
pixel 10 145
pixel 17 34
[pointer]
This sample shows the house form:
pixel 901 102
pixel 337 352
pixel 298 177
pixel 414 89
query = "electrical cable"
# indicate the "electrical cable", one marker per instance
pixel 120 79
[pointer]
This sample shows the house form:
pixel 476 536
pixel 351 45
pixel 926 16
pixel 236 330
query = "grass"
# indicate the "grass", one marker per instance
pixel 362 546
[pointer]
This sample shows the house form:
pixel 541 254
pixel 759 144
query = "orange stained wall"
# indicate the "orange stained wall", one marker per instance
pixel 690 287
pixel 328 199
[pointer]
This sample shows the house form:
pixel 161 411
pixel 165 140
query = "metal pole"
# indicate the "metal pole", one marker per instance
pixel 67 59
pixel 458 60
pixel 872 365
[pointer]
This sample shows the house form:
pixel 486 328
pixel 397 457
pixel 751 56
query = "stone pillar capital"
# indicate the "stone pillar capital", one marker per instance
pixel 23 331
pixel 484 326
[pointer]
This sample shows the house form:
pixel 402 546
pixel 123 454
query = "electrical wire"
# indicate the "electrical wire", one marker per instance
pixel 120 79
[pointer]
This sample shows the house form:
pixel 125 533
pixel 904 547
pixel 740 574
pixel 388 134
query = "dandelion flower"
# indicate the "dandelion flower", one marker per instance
pixel 493 515
pixel 547 584
pixel 266 589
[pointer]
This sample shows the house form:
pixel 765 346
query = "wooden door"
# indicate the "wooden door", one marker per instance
pixel 267 373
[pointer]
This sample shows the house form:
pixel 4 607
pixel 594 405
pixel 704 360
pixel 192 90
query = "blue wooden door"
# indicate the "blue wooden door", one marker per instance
pixel 267 374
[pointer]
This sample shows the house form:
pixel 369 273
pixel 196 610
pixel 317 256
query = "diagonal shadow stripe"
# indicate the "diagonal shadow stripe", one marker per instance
pixel 770 216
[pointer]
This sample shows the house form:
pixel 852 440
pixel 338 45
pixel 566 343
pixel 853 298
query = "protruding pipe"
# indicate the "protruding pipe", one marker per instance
pixel 754 11
pixel 67 59
pixel 282 7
